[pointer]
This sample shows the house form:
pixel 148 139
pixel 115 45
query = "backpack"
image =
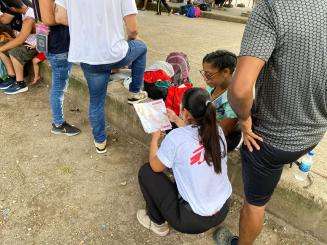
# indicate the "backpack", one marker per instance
pixel 191 12
pixel 175 96
pixel 197 12
pixel 185 8
pixel 181 66
pixel 157 90
pixel 205 7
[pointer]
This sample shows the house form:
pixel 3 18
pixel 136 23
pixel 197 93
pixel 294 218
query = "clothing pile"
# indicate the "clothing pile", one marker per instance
pixel 168 80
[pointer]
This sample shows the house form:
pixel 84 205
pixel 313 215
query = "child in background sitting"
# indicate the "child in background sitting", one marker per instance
pixel 36 60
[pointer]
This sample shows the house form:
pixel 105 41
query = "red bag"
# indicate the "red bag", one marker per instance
pixel 175 95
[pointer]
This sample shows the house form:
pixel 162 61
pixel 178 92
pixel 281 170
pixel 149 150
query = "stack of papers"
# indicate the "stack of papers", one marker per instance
pixel 153 116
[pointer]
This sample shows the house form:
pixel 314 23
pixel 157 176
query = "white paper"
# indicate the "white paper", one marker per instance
pixel 153 116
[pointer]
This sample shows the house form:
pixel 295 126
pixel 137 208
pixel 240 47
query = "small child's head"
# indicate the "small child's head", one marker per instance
pixel 218 68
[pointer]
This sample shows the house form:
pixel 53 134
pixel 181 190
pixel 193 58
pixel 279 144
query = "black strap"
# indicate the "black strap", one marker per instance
pixel 36 8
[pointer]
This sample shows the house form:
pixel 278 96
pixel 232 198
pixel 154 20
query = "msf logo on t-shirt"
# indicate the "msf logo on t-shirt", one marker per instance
pixel 198 156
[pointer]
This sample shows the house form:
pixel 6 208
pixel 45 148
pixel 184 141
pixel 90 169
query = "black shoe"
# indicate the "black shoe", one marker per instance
pixel 223 236
pixel 66 129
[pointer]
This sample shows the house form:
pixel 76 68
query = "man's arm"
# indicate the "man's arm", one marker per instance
pixel 21 38
pixel 6 18
pixel 241 89
pixel 131 26
pixel 240 95
pixel 47 8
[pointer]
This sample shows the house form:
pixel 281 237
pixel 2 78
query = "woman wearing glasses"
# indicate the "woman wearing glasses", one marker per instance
pixel 218 69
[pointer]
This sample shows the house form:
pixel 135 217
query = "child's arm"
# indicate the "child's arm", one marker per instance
pixel 155 163
pixel 228 125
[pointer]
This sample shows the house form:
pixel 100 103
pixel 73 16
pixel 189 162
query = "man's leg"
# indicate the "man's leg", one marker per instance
pixel 145 4
pixel 251 222
pixel 97 77
pixel 19 86
pixel 261 172
pixel 158 6
pixel 19 69
pixel 136 59
pixel 8 64
pixel 138 55
pixel 19 57
pixel 165 4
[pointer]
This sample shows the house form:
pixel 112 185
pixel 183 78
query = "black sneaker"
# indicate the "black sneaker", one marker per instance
pixel 66 129
pixel 223 236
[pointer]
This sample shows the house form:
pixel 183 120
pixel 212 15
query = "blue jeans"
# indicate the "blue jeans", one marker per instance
pixel 97 77
pixel 60 76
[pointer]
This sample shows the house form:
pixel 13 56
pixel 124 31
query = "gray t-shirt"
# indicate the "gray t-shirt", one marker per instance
pixel 290 109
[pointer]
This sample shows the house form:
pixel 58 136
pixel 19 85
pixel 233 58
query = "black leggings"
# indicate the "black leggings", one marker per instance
pixel 163 203
pixel 165 4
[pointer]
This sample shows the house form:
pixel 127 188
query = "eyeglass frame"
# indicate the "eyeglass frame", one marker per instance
pixel 203 73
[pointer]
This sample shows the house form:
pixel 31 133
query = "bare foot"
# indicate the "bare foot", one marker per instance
pixel 35 80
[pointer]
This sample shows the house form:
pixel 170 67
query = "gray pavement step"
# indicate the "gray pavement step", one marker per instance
pixel 210 14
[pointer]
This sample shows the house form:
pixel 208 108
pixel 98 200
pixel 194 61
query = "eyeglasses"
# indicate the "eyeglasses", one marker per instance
pixel 207 75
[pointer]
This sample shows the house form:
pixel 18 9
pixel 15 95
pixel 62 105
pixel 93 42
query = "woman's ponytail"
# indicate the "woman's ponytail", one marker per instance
pixel 197 102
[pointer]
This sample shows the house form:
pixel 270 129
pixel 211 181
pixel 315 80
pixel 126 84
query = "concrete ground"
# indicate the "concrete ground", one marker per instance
pixel 57 190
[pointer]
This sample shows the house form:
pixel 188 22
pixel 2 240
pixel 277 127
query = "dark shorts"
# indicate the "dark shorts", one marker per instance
pixel 23 54
pixel 233 140
pixel 262 171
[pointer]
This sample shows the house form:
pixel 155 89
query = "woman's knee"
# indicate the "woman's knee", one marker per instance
pixel 144 171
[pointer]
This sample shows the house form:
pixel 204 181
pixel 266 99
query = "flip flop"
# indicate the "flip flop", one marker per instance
pixel 223 236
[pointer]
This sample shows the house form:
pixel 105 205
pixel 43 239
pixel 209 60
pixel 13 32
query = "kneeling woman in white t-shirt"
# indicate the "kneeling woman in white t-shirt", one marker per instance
pixel 197 155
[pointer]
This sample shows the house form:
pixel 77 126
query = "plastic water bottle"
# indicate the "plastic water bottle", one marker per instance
pixel 305 166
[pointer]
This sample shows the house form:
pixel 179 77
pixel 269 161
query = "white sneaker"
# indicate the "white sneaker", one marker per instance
pixel 134 98
pixel 101 147
pixel 143 218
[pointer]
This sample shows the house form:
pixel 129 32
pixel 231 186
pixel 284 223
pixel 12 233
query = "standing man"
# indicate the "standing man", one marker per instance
pixel 284 58
pixel 98 43
pixel 58 46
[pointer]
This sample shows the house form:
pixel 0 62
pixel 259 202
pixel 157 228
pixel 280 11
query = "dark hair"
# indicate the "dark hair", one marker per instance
pixel 13 3
pixel 197 102
pixel 6 29
pixel 221 59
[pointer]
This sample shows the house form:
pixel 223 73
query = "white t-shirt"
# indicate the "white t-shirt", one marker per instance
pixel 31 39
pixel 197 182
pixel 97 34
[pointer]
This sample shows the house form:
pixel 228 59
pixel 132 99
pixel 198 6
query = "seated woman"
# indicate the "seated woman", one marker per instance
pixel 218 69
pixel 199 200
